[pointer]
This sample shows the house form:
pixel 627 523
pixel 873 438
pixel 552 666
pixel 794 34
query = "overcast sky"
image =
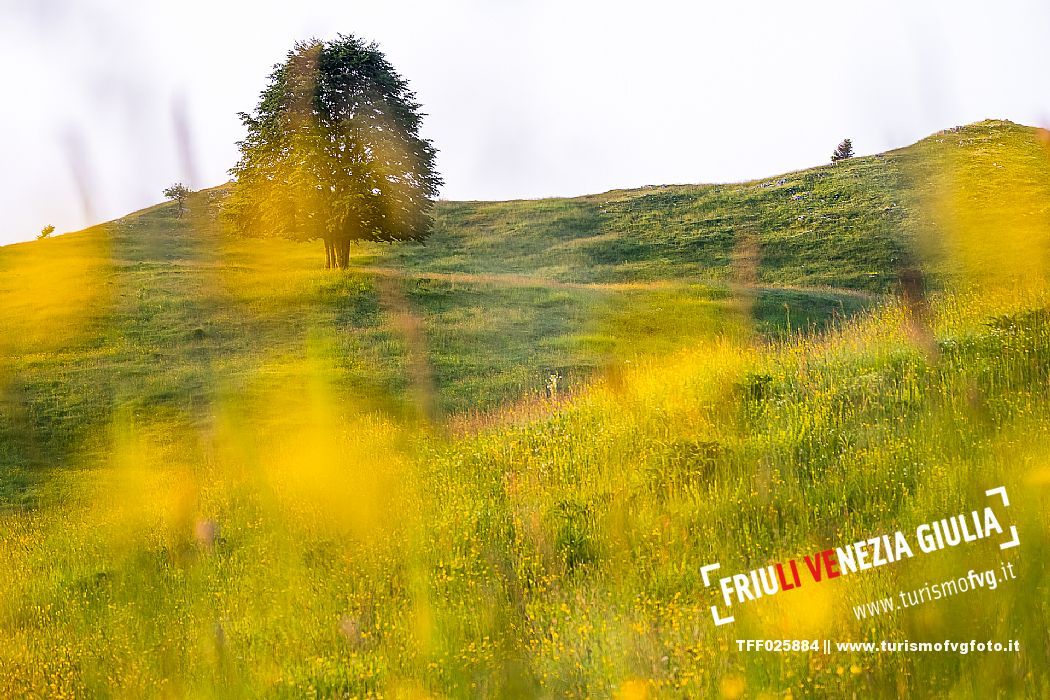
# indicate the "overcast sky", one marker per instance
pixel 525 98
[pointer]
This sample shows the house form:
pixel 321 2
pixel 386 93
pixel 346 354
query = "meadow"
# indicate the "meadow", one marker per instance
pixel 494 465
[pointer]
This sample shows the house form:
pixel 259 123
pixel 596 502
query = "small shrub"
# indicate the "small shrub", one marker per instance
pixel 843 151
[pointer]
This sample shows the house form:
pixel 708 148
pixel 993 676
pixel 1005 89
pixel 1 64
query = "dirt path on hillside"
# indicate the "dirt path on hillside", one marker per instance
pixel 508 279
pixel 520 280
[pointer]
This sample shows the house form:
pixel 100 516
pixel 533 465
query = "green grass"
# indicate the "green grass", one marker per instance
pixel 183 310
pixel 226 472
pixel 838 225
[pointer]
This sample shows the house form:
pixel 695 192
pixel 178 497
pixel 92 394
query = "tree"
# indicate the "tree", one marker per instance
pixel 178 193
pixel 333 151
pixel 46 232
pixel 843 151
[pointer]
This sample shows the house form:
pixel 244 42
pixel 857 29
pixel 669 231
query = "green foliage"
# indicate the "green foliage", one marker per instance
pixel 333 151
pixel 178 194
pixel 843 151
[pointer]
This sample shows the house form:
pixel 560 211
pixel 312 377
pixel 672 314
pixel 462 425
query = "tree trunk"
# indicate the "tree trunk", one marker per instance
pixel 329 254
pixel 344 254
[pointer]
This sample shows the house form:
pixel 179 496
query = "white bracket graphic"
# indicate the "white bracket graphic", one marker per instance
pixel 704 571
pixel 1001 492
pixel 720 620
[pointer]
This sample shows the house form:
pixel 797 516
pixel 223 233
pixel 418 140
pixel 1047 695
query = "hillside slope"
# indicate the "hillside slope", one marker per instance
pixel 508 299
pixel 853 224
pixel 217 478
pixel 242 500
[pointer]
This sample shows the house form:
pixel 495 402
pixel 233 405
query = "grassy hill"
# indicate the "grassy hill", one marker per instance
pixel 158 311
pixel 226 471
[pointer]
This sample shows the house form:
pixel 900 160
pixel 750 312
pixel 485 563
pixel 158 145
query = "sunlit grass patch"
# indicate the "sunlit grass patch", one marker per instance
pixel 53 291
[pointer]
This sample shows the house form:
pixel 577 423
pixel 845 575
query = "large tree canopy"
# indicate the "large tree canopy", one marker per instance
pixel 333 151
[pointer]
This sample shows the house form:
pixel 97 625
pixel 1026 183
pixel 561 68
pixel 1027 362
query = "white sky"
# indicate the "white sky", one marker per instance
pixel 526 98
